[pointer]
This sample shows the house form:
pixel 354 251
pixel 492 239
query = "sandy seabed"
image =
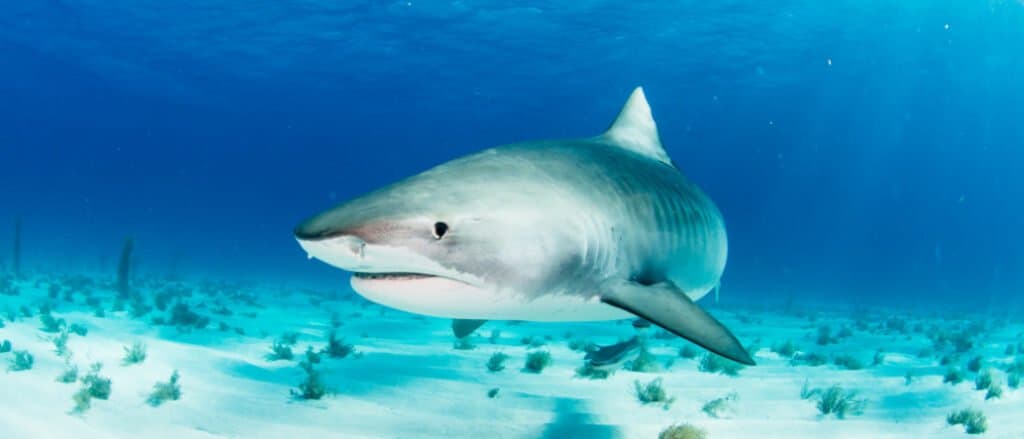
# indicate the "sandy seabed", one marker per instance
pixel 408 378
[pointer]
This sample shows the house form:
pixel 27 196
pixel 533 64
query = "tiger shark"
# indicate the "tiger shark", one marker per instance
pixel 597 228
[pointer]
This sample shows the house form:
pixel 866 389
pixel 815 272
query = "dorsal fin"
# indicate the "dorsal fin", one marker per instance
pixel 635 129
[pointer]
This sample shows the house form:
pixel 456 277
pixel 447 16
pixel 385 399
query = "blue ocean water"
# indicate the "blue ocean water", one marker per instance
pixel 861 152
pixel 861 149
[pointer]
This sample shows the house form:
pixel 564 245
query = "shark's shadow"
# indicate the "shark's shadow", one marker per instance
pixel 377 373
pixel 573 421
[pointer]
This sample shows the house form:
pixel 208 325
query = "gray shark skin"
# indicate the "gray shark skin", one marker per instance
pixel 596 228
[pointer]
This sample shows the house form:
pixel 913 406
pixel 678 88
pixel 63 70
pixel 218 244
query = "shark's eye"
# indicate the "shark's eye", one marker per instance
pixel 440 228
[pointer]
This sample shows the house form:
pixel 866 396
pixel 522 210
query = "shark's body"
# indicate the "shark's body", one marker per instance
pixel 588 229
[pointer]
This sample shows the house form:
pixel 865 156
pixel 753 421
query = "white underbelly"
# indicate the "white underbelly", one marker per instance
pixel 446 298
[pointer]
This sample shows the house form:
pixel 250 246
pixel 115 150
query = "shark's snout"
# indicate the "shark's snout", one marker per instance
pixel 327 239
pixel 343 251
pixel 314 229
pixel 332 223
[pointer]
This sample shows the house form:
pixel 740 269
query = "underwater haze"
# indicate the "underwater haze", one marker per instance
pixel 155 157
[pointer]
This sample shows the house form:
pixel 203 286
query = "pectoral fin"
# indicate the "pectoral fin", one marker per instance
pixel 464 327
pixel 665 305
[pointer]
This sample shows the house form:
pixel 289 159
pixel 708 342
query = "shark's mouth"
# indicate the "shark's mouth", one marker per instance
pixel 392 276
pixel 431 294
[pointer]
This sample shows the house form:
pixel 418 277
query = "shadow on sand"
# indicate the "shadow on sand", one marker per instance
pixel 572 420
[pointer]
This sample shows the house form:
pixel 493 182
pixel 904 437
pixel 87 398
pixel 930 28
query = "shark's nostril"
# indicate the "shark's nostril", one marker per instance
pixel 354 245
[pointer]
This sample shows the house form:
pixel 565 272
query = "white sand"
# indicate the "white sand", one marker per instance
pixel 409 382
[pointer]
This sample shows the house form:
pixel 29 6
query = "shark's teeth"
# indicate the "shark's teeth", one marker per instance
pixel 392 276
